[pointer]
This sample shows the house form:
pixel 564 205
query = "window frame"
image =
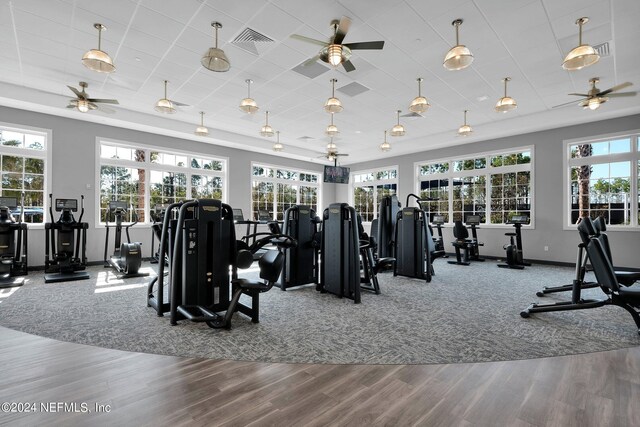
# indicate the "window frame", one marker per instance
pixel 633 156
pixel 276 181
pixel 148 167
pixel 487 172
pixel 46 154
pixel 374 183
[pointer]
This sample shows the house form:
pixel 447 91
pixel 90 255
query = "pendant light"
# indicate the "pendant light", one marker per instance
pixel 97 59
pixel 331 146
pixel 164 105
pixel 266 130
pixel 202 130
pixel 332 130
pixel 459 56
pixel 582 55
pixel 248 105
pixel 506 103
pixel 419 104
pixel 214 59
pixel 465 129
pixel 385 146
pixel 398 130
pixel 277 146
pixel 333 104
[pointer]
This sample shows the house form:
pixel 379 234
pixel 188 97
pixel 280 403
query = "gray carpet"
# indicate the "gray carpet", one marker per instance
pixel 466 314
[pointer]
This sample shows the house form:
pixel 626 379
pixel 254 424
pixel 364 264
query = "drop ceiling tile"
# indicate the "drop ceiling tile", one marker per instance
pixel 156 25
pixel 112 11
pixel 181 11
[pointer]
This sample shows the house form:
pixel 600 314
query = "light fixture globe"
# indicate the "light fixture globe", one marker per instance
pixel 582 55
pixel 334 54
pixel 506 103
pixel 465 129
pixel 96 59
pixel 331 146
pixel 266 130
pixel 82 105
pixel 278 146
pixel 248 105
pixel 398 129
pixel 331 130
pixel 215 59
pixel 593 103
pixel 459 56
pixel 333 104
pixel 202 129
pixel 385 146
pixel 164 105
pixel 419 104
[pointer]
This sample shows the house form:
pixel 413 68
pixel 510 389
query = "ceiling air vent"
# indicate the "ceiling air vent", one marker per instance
pixel 602 49
pixel 310 70
pixel 413 115
pixel 353 89
pixel 305 138
pixel 251 41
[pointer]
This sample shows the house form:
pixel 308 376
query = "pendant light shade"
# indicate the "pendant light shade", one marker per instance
pixel 419 104
pixel 506 103
pixel 582 55
pixel 164 105
pixel 248 105
pixel 385 146
pixel 83 105
pixel 215 59
pixel 459 56
pixel 332 130
pixel 277 146
pixel 398 129
pixel 334 54
pixel 202 130
pixel 465 129
pixel 97 59
pixel 333 104
pixel 266 130
pixel 331 146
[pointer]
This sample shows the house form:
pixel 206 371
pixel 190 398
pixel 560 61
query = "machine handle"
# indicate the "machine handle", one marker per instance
pixel 81 207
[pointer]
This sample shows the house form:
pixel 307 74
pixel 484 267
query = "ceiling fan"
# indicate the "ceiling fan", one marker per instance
pixel 334 52
pixel 83 103
pixel 332 156
pixel 595 97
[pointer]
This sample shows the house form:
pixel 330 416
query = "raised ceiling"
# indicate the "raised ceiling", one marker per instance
pixel 42 42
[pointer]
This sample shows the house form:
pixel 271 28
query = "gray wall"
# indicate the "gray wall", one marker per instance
pixel 74 168
pixel 548 197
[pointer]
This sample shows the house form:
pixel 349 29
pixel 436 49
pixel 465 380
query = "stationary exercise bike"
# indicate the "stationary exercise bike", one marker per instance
pixel 514 248
pixel 13 244
pixel 127 257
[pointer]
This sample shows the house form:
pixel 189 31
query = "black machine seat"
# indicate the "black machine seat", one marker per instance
pixel 599 226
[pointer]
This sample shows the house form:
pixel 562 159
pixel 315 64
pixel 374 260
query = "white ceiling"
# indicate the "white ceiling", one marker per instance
pixel 42 42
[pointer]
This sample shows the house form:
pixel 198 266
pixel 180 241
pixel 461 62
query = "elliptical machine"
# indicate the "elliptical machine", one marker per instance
pixel 514 248
pixel 13 244
pixel 127 257
pixel 65 248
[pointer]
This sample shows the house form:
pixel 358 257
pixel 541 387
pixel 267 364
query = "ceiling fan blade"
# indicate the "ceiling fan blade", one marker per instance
pixel 579 94
pixel 71 106
pixel 310 61
pixel 619 95
pixel 92 106
pixel 103 101
pixel 348 66
pixel 343 29
pixel 308 39
pixel 76 92
pixel 569 103
pixel 365 45
pixel 615 88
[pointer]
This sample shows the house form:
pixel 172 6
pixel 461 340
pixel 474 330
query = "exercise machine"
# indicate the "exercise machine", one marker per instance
pixel 438 222
pixel 467 248
pixel 127 257
pixel 13 244
pixel 414 246
pixel 301 263
pixel 65 247
pixel 157 214
pixel 515 259
pixel 386 224
pixel 627 298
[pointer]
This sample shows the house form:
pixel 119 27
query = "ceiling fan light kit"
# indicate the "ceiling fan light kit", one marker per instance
pixel 465 129
pixel 419 104
pixel 385 146
pixel 248 105
pixel 398 129
pixel 215 59
pixel 333 104
pixel 97 59
pixel 277 147
pixel 582 55
pixel 506 103
pixel 82 105
pixel 459 56
pixel 266 130
pixel 164 105
pixel 202 129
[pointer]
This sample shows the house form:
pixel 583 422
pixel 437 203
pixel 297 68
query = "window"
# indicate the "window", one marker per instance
pixel 144 177
pixel 23 164
pixel 603 179
pixel 369 187
pixel 275 189
pixel 495 186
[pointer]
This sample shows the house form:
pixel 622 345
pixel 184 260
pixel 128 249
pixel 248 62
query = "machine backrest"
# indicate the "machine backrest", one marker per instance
pixel 274 227
pixel 586 230
pixel 460 231
pixel 602 268
pixel 599 225
pixel 373 235
pixel 271 265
